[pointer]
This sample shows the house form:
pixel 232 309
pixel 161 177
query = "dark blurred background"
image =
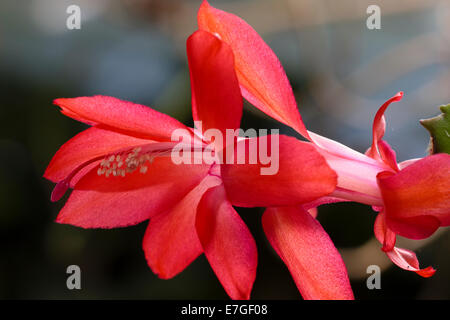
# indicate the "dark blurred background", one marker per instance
pixel 341 73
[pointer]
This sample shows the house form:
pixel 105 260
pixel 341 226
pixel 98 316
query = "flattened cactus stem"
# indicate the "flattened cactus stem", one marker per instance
pixel 439 129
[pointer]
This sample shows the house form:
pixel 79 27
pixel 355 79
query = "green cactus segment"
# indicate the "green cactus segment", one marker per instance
pixel 439 128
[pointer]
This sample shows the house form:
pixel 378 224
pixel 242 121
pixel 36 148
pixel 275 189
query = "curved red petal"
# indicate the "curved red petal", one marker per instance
pixel 261 76
pixel 388 155
pixel 383 234
pixel 100 202
pixel 407 260
pixel 216 97
pixel 302 174
pixel 379 127
pixel 227 243
pixel 126 117
pixel 308 252
pixel 403 258
pixel 417 199
pixel 171 242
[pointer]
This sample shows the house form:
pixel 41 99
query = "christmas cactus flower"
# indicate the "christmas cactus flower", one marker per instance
pixel 123 171
pixel 412 197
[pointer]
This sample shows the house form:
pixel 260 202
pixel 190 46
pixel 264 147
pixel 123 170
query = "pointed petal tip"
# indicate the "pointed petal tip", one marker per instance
pixel 227 243
pixel 205 3
pixel 59 190
pixel 170 243
pixel 47 175
pixel 308 252
pixel 57 101
pixel 407 260
pixel 261 76
pixel 60 220
pixel 427 272
pixel 161 275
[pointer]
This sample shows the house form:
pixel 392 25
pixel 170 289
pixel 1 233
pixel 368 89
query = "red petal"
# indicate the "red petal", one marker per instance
pixel 227 243
pixel 383 234
pixel 119 115
pixel 216 97
pixel 171 242
pixel 403 258
pixel 378 129
pixel 100 202
pixel 261 76
pixel 417 199
pixel 388 155
pixel 89 144
pixel 308 252
pixel 407 260
pixel 303 175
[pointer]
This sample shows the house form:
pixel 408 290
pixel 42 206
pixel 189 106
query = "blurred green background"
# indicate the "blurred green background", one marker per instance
pixel 341 73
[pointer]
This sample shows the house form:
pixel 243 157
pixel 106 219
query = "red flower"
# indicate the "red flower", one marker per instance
pixel 413 196
pixel 122 173
pixel 298 238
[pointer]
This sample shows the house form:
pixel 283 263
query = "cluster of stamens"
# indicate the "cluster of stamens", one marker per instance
pixel 123 163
